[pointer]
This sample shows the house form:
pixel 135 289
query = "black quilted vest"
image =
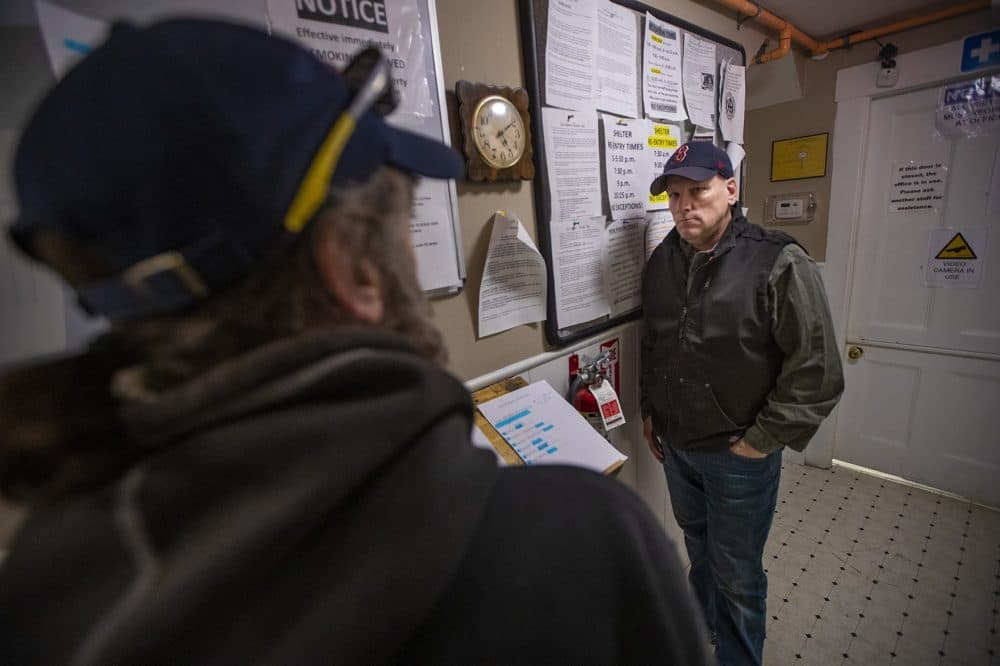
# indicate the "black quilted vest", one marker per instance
pixel 711 359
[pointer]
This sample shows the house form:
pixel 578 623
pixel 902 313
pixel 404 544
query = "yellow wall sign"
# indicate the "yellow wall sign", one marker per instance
pixel 801 157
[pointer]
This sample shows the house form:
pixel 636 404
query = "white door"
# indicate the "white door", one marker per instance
pixel 923 401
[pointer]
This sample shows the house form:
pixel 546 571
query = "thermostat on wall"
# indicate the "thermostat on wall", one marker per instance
pixel 797 207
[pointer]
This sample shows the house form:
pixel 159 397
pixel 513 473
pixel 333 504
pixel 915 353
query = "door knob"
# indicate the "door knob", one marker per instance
pixel 855 352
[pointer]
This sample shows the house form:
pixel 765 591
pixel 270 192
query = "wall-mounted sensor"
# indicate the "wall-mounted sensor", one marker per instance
pixel 794 208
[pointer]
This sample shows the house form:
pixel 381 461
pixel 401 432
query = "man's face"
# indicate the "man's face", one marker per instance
pixel 701 209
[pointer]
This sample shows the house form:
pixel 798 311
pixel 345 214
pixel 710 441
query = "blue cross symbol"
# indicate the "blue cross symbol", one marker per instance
pixel 980 51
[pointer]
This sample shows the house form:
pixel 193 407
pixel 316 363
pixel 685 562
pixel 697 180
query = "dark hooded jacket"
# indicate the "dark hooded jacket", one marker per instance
pixel 318 501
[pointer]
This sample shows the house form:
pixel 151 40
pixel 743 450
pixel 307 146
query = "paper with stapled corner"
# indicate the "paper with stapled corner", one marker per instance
pixel 617 36
pixel 732 101
pixel 623 263
pixel 578 270
pixel 662 90
pixel 544 429
pixel 627 165
pixel 573 162
pixel 513 289
pixel 570 54
pixel 700 73
pixel 68 36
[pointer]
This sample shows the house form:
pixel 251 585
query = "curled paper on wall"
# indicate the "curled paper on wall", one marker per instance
pixel 699 80
pixel 732 101
pixel 617 34
pixel 513 289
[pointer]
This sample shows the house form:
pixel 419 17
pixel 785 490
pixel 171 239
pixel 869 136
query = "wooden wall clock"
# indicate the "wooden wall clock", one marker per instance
pixel 496 130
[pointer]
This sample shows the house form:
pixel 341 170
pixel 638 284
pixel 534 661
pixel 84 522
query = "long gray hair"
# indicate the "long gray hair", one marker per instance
pixel 58 421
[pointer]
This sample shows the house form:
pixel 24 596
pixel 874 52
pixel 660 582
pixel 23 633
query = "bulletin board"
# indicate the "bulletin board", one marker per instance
pixel 562 127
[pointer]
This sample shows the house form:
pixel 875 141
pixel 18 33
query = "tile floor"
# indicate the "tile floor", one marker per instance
pixel 869 571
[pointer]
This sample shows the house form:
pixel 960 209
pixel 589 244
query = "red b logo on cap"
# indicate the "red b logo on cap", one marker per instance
pixel 681 153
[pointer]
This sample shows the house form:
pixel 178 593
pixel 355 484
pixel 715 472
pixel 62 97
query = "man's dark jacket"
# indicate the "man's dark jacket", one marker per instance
pixel 318 501
pixel 709 359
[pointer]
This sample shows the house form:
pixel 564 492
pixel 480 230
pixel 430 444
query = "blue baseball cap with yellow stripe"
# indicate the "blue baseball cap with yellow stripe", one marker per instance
pixel 179 153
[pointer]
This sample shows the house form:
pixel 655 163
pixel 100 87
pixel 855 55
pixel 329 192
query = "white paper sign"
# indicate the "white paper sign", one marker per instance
pixel 578 271
pixel 917 186
pixel 574 163
pixel 732 103
pixel 954 258
pixel 433 236
pixel 334 32
pixel 513 288
pixel 626 166
pixel 699 80
pixel 661 71
pixel 68 36
pixel 543 428
pixel 625 249
pixel 663 140
pixel 570 48
pixel 617 34
pixel 658 225
pixel 969 108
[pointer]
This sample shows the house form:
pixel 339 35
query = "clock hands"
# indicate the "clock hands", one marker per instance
pixel 509 125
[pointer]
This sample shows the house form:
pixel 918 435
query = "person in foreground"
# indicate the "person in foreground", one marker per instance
pixel 739 361
pixel 263 460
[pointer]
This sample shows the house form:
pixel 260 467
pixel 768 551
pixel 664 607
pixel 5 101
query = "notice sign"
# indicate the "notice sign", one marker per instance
pixel 334 30
pixel 917 187
pixel 969 108
pixel 953 258
pixel 626 166
pixel 662 141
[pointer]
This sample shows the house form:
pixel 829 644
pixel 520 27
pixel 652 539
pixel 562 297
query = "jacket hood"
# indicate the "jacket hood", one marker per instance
pixel 285 495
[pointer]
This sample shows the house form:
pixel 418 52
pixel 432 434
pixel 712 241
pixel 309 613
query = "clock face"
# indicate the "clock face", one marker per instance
pixel 498 132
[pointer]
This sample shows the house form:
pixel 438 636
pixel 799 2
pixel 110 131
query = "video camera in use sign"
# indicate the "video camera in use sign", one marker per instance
pixel 367 14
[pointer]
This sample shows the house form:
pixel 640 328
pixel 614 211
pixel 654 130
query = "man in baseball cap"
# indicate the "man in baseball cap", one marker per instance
pixel 697 160
pixel 739 360
pixel 264 461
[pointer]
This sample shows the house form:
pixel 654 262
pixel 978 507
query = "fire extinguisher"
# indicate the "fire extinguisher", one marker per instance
pixel 580 396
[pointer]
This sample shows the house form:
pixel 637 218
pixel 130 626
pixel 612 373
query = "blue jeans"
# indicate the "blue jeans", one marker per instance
pixel 724 503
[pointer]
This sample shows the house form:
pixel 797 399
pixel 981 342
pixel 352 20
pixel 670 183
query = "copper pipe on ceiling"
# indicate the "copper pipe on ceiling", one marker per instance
pixel 754 11
pixel 784 46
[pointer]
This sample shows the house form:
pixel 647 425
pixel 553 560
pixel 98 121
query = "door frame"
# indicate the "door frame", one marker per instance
pixel 854 95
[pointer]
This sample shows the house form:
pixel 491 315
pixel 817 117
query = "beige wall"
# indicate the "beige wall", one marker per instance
pixel 814 113
pixel 480 41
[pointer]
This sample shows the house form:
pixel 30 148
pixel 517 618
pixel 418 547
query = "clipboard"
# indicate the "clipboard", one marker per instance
pixel 500 445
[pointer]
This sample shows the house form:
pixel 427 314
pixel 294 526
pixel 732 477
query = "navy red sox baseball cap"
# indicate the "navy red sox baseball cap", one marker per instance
pixel 695 160
pixel 180 153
